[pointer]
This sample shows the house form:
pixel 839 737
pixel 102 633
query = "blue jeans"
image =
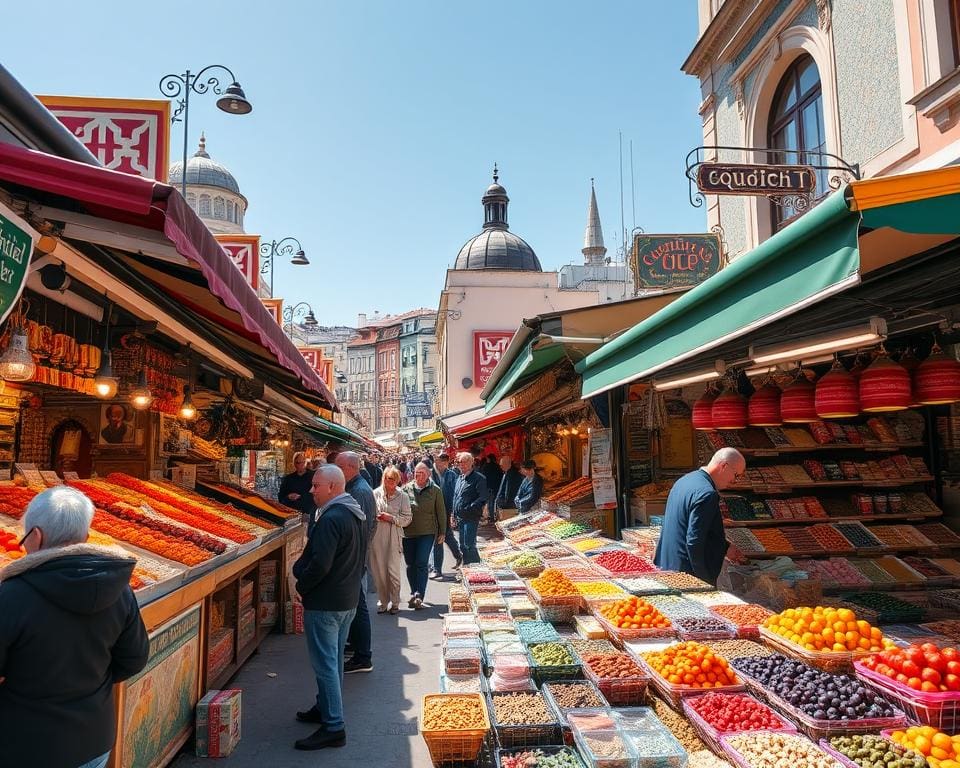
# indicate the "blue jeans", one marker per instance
pixel 326 633
pixel 468 541
pixel 97 762
pixel 416 553
pixel 451 541
pixel 360 632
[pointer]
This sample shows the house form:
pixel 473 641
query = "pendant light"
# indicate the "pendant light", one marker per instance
pixel 763 407
pixel 937 379
pixel 16 362
pixel 188 411
pixel 729 410
pixel 702 416
pixel 141 397
pixel 105 383
pixel 837 395
pixel 797 401
pixel 885 386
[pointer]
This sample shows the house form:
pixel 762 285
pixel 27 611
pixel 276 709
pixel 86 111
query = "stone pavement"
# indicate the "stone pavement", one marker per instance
pixel 381 707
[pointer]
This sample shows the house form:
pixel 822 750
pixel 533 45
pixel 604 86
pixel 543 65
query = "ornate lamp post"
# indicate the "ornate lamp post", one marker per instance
pixel 232 100
pixel 283 247
pixel 299 310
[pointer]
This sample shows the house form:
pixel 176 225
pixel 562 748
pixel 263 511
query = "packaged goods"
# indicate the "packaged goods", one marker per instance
pixel 218 723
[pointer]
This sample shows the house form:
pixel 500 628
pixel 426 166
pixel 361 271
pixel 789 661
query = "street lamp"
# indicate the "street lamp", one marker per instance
pixel 232 100
pixel 284 247
pixel 300 310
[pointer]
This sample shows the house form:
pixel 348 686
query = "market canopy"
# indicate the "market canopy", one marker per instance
pixel 474 421
pixel 431 438
pixel 860 228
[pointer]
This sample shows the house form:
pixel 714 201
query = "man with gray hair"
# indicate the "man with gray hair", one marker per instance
pixel 692 539
pixel 70 629
pixel 469 499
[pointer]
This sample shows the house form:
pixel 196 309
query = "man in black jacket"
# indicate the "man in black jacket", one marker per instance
pixel 509 485
pixel 295 488
pixel 328 579
pixel 469 498
pixel 70 629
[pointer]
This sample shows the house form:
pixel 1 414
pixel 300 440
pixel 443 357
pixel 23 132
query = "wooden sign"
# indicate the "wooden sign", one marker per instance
pixel 50 478
pixel 755 179
pixel 674 261
pixel 676 438
pixel 31 474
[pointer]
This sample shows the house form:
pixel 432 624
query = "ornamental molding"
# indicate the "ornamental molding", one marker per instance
pixel 940 102
pixel 825 14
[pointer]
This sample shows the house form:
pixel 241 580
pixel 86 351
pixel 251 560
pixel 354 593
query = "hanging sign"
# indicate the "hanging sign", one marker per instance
pixel 601 469
pixel 488 348
pixel 17 239
pixel 674 261
pixel 244 251
pixel 755 179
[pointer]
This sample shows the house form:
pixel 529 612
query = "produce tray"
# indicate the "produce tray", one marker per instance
pixel 544 673
pixel 455 746
pixel 619 691
pixel 833 661
pixel 518 736
pixel 711 736
pixel 632 635
pixel 675 694
pixel 582 739
pixel 551 751
pixel 729 633
pixel 654 588
pixel 939 709
pixel 845 761
pixel 736 758
pixel 559 711
pixel 822 729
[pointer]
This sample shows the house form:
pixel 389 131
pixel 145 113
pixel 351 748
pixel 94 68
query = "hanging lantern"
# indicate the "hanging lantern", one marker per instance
pixel 702 417
pixel 937 379
pixel 729 411
pixel 884 386
pixel 797 402
pixel 837 395
pixel 763 408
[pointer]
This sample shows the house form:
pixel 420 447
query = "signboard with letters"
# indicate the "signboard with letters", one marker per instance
pixel 488 348
pixel 755 179
pixel 17 239
pixel 674 261
pixel 418 405
pixel 244 251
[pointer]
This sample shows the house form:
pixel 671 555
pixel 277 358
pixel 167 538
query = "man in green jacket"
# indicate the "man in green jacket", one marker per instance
pixel 427 528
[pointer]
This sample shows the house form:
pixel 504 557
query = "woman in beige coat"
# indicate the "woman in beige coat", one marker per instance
pixel 386 547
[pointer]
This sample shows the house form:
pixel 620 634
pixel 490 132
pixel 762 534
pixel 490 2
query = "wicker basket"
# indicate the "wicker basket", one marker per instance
pixel 829 661
pixel 455 745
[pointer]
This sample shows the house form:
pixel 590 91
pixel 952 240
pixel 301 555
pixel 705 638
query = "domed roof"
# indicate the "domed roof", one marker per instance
pixel 496 247
pixel 202 170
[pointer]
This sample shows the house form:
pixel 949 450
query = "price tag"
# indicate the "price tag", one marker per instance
pixel 71 476
pixel 31 474
pixel 50 478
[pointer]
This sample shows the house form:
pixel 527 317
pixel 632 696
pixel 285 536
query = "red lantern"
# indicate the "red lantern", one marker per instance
pixel 797 403
pixel 763 409
pixel 729 411
pixel 837 395
pixel 703 411
pixel 884 387
pixel 937 380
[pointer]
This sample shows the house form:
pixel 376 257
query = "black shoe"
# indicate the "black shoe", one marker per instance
pixel 311 715
pixel 459 562
pixel 353 665
pixel 412 602
pixel 321 738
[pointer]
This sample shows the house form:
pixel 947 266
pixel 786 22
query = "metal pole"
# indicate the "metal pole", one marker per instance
pixel 186 118
pixel 273 255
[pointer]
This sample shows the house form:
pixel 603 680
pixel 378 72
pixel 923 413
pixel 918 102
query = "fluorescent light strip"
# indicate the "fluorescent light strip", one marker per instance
pixel 693 378
pixel 855 337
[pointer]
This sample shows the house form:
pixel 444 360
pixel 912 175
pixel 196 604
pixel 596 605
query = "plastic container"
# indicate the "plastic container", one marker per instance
pixel 728 632
pixel 655 745
pixel 828 661
pixel 731 753
pixel 544 673
pixel 537 632
pixel 939 709
pixel 516 736
pixel 462 683
pixel 561 712
pixel 620 691
pixel 630 635
pixel 711 736
pixel 455 745
pixel 642 585
pixel 674 694
pixel 557 609
pixel 822 729
pixel 605 749
pixel 841 758
pixel 551 751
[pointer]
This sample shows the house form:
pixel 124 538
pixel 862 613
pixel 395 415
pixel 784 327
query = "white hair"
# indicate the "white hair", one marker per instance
pixel 350 458
pixel 466 455
pixel 727 455
pixel 63 514
pixel 331 473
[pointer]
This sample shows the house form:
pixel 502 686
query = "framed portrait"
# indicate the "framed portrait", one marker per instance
pixel 169 438
pixel 117 425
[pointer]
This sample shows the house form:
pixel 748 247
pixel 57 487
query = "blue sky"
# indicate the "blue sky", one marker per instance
pixel 376 124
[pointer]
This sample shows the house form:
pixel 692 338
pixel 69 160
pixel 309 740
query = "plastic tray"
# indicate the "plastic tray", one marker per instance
pixel 631 635
pixel 620 691
pixel 577 760
pixel 654 587
pixel 545 673
pixel 452 746
pixel 518 736
pixel 674 694
pixel 730 752
pixel 845 761
pixel 832 661
pixel 559 711
pixel 729 633
pixel 822 729
pixel 583 739
pixel 940 709
pixel 711 736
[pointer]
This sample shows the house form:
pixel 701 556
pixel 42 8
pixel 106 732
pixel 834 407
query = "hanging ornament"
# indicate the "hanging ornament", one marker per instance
pixel 837 395
pixel 763 408
pixel 884 386
pixel 937 379
pixel 729 410
pixel 797 402
pixel 702 417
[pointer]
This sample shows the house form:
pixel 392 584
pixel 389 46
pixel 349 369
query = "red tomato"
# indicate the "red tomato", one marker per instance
pixel 915 654
pixel 936 661
pixel 930 676
pixel 911 669
pixel 929 648
pixel 902 678
pixel 953 682
pixel 953 667
pixel 950 654
pixel 928 687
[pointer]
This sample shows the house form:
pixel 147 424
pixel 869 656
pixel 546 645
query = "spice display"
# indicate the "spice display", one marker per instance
pixel 691 665
pixel 453 713
pixel 779 750
pixel 552 583
pixel 538 632
pixel 598 589
pixel 877 752
pixel 734 712
pixel 644 585
pixel 621 561
pixel 633 613
pixel 574 695
pixel 551 655
pixel 520 708
pixel 735 649
pixel 612 665
pixel 583 647
pixel 747 615
pixel 585 545
pixel 685 582
pixel 606 745
pixel 940 749
pixel 677 724
pixel 674 607
pixel 923 667
pixel 567 530
pixel 704 627
pixel 556 757
pixel 704 758
pixel 826 629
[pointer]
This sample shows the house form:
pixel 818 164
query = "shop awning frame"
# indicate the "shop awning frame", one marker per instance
pixel 475 421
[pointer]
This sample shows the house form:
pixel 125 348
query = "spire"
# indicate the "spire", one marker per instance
pixel 202 149
pixel 593 250
pixel 495 204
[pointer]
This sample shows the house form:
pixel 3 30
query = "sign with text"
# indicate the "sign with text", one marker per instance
pixel 17 239
pixel 674 261
pixel 488 348
pixel 418 405
pixel 244 251
pixel 755 179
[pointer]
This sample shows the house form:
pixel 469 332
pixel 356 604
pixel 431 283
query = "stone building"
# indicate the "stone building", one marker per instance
pixel 212 191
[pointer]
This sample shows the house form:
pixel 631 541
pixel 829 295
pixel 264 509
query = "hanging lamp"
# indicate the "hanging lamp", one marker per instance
pixel 885 386
pixel 937 379
pixel 837 395
pixel 729 410
pixel 763 408
pixel 702 415
pixel 188 411
pixel 141 397
pixel 16 362
pixel 104 382
pixel 797 401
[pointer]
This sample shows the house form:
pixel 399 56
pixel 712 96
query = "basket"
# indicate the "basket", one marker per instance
pixel 560 712
pixel 828 661
pixel 711 736
pixel 620 691
pixel 845 761
pixel 632 635
pixel 545 750
pixel 728 633
pixel 822 729
pixel 675 694
pixel 939 709
pixel 519 736
pixel 455 746
pixel 544 673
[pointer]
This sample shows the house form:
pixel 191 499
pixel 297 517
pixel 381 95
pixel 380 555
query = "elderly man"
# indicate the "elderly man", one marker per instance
pixel 69 629
pixel 692 539
pixel 361 640
pixel 469 499
pixel 328 577
pixel 445 478
pixel 530 490
pixel 425 530
pixel 509 485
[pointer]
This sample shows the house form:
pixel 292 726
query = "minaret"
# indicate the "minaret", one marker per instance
pixel 495 202
pixel 593 249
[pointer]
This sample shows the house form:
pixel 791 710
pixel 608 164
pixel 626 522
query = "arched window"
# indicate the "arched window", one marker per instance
pixel 219 209
pixel 192 200
pixel 230 209
pixel 796 127
pixel 204 205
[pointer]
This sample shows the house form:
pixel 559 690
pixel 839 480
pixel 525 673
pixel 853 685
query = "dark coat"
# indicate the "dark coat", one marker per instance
pixel 361 491
pixel 469 497
pixel 509 486
pixel 294 483
pixel 448 485
pixel 529 493
pixel 493 475
pixel 70 629
pixel 692 539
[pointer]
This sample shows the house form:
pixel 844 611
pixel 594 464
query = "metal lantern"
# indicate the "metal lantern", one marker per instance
pixel 885 386
pixel 729 411
pixel 937 379
pixel 702 417
pixel 797 403
pixel 763 408
pixel 837 395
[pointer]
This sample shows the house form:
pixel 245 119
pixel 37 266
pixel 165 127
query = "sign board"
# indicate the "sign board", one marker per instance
pixel 488 348
pixel 31 474
pixel 674 261
pixel 676 437
pixel 17 239
pixel 244 251
pixel 755 179
pixel 418 405
pixel 601 469
pixel 641 473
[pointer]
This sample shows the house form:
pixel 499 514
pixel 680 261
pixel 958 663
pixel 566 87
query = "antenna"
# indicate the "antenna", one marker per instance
pixel 623 227
pixel 633 191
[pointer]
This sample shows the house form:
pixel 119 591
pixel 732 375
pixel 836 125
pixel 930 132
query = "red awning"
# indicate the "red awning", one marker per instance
pixel 218 293
pixel 461 429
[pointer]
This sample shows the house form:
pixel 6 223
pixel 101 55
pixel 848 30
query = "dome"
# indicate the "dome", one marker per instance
pixel 497 249
pixel 202 170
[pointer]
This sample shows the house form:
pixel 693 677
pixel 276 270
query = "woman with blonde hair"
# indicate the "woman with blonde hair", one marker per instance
pixel 386 546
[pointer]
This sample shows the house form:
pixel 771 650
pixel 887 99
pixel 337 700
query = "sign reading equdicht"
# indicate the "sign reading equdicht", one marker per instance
pixel 674 261
pixel 755 179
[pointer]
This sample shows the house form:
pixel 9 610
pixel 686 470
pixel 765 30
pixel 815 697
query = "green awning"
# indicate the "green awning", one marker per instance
pixel 807 261
pixel 529 364
pixel 330 430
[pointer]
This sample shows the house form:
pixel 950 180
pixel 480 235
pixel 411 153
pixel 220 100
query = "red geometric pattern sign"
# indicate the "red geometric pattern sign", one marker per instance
pixel 323 366
pixel 488 348
pixel 245 252
pixel 129 135
pixel 275 307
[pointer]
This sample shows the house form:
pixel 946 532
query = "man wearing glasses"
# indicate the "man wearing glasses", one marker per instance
pixel 469 499
pixel 692 539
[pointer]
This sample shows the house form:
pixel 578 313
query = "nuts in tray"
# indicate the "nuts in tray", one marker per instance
pixel 779 750
pixel 453 713
pixel 551 655
pixel 521 708
pixel 575 695
pixel 612 665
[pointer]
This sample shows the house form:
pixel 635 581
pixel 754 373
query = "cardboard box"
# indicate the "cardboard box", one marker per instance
pixel 218 723
pixel 267 616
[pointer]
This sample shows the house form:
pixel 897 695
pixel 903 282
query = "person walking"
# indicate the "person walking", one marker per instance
pixel 70 629
pixel 493 475
pixel 469 499
pixel 373 469
pixel 428 528
pixel 328 575
pixel 295 489
pixel 445 478
pixel 360 637
pixel 509 485
pixel 692 539
pixel 386 549
pixel 530 490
